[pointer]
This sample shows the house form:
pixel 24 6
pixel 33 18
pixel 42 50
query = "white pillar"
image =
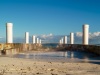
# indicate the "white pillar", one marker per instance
pixel 65 39
pixel 33 38
pixel 26 37
pixel 85 34
pixel 71 38
pixel 62 41
pixel 40 41
pixel 9 32
pixel 37 40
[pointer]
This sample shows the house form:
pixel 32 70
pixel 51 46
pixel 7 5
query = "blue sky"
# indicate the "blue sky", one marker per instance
pixel 59 17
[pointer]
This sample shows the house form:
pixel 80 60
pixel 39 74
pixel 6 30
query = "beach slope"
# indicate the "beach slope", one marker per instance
pixel 18 66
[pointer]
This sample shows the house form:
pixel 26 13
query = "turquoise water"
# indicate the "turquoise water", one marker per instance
pixel 68 56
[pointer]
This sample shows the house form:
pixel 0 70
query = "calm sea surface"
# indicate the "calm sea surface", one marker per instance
pixel 68 56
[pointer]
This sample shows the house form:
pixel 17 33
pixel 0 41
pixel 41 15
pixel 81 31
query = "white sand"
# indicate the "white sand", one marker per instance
pixel 18 66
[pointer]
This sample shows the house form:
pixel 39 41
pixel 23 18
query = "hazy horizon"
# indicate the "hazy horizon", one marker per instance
pixel 94 38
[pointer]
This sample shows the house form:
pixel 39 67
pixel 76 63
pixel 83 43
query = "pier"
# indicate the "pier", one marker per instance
pixel 9 48
pixel 13 48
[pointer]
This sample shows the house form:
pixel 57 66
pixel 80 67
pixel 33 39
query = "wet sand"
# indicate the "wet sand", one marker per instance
pixel 19 66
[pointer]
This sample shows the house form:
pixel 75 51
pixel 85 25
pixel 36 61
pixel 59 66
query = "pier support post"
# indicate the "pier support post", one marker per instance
pixel 40 41
pixel 26 37
pixel 33 38
pixel 65 39
pixel 71 38
pixel 85 34
pixel 62 41
pixel 37 40
pixel 9 33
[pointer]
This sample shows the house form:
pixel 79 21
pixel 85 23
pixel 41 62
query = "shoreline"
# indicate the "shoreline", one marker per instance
pixel 20 66
pixel 57 56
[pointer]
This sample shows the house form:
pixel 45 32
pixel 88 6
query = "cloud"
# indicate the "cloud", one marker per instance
pixel 91 35
pixel 1 37
pixel 49 38
pixel 96 33
pixel 44 36
pixel 94 38
pixel 78 34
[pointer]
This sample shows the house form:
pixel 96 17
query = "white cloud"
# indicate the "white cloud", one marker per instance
pixel 91 35
pixel 94 38
pixel 1 37
pixel 79 34
pixel 96 33
pixel 50 34
pixel 44 36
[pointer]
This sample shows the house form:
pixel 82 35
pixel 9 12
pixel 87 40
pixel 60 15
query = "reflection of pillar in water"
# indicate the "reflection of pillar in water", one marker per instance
pixel 85 34
pixel 9 33
pixel 65 54
pixel 72 54
pixel 27 55
pixel 34 56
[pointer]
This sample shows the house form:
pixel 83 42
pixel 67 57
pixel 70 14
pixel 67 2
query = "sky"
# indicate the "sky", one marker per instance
pixel 58 17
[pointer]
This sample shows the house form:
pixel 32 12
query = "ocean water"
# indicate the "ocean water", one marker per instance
pixel 68 56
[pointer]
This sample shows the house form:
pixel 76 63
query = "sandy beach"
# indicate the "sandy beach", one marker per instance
pixel 19 66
